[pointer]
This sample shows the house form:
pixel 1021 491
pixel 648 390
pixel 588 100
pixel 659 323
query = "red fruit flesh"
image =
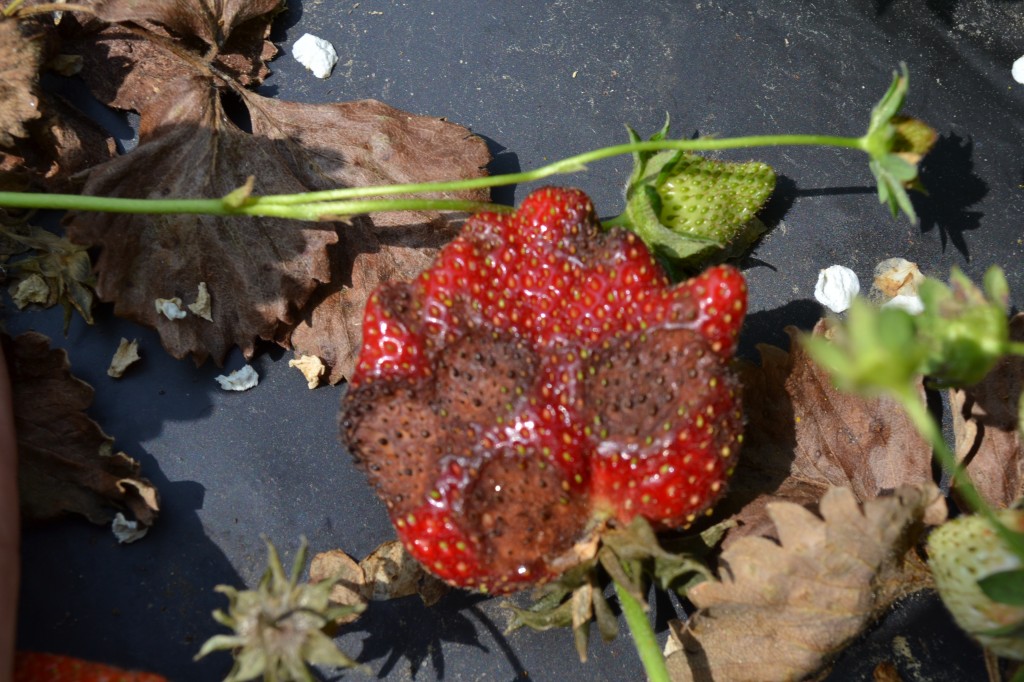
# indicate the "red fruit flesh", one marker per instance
pixel 540 377
pixel 30 666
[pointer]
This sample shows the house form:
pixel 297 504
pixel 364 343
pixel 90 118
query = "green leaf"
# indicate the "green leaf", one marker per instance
pixel 1005 587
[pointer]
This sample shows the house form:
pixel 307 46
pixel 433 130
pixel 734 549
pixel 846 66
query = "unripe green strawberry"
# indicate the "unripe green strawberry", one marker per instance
pixel 692 209
pixel 709 199
pixel 965 551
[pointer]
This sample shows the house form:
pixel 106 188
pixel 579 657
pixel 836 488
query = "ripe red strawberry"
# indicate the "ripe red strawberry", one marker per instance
pixel 40 667
pixel 540 379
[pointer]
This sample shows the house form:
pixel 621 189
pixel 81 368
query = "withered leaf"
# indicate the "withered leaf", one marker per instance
pixel 985 428
pixel 127 354
pixel 66 463
pixel 781 610
pixel 53 271
pixel 256 269
pixel 260 272
pixel 392 573
pixel 376 145
pixel 60 145
pixel 212 21
pixel 21 53
pixel 804 436
pixel 43 139
pixel 388 572
pixel 350 588
pixel 147 45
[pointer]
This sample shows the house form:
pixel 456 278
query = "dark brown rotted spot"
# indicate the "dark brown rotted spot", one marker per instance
pixel 481 379
pixel 522 515
pixel 649 383
pixel 397 440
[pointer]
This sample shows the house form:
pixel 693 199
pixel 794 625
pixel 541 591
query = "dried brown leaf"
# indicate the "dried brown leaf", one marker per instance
pixel 66 462
pixel 391 573
pixel 781 609
pixel 212 21
pixel 52 270
pixel 256 270
pixel 388 572
pixel 171 62
pixel 380 145
pixel 127 354
pixel 331 324
pixel 60 145
pixel 148 45
pixel 350 587
pixel 21 54
pixel 986 431
pixel 804 436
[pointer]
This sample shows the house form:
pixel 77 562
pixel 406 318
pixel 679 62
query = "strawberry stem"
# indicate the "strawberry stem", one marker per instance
pixel 643 635
pixel 329 204
pixel 219 207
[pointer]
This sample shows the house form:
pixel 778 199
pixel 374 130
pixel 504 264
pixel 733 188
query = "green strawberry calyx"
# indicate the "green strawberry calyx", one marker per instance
pixel 690 210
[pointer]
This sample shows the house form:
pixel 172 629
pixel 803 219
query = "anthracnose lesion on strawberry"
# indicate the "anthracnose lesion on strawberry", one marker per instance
pixel 543 391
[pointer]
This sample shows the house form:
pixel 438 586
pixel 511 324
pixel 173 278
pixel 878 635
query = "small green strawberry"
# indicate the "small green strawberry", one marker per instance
pixel 695 210
pixel 965 552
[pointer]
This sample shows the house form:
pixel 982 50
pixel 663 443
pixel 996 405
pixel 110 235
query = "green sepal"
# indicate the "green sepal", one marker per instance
pixel 633 557
pixel 1005 587
pixel 896 145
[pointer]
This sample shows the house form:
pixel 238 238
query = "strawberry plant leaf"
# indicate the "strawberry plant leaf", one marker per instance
pixel 132 51
pixel 44 140
pixel 256 270
pixel 259 270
